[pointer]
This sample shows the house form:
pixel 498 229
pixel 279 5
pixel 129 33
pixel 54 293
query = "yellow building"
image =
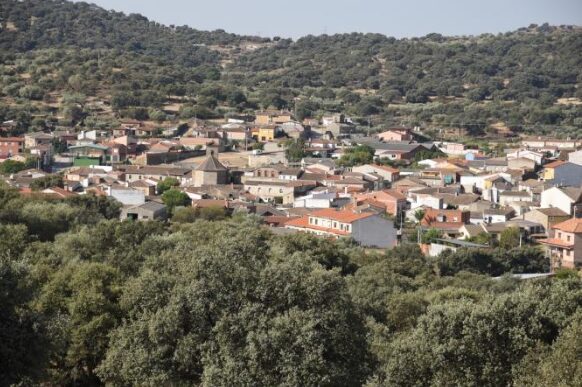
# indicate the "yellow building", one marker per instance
pixel 549 169
pixel 265 133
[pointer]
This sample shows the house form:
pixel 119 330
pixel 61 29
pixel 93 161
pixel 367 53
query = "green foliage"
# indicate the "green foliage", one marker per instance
pixel 358 155
pixel 258 146
pixel 431 235
pixel 478 343
pixel 190 214
pixel 23 349
pixel 558 365
pixel 419 215
pixel 82 302
pixel 47 181
pixel 295 150
pixel 493 262
pixel 509 238
pixel 11 166
pixel 219 302
pixel 166 184
pixel 174 198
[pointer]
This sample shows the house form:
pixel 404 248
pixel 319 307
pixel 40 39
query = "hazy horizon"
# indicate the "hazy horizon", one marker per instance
pixel 391 18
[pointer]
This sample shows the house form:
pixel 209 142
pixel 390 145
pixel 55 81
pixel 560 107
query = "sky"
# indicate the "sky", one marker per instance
pixel 398 18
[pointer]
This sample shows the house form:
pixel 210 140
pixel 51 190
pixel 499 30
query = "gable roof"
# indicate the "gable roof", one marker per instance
pixel 554 164
pixel 552 211
pixel 573 225
pixel 345 216
pixel 573 193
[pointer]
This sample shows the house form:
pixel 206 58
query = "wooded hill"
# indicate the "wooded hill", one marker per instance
pixel 61 59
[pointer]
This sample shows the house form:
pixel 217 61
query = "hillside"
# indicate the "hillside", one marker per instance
pixel 77 64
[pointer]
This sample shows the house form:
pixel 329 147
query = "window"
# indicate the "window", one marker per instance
pixel 568 238
pixel 334 224
pixel 559 235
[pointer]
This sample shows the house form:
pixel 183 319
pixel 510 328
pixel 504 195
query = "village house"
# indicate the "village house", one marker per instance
pixel 439 177
pixel 89 154
pixel 145 211
pixel 126 195
pixel 395 150
pixel 32 140
pixel 575 157
pixel 522 163
pixel 321 199
pixel 395 134
pixel 265 132
pixel 199 143
pixel 493 215
pixel 85 176
pixel 448 222
pixel 499 164
pixel 336 118
pixel 389 174
pixel 148 187
pixel 278 172
pixel 278 191
pixel 506 198
pixel 548 217
pixel 563 173
pixel 294 129
pixel 541 145
pixel 269 117
pixel 536 157
pixel 10 146
pixel 393 201
pixel 529 231
pixel 343 182
pixel 565 244
pixel 408 184
pixel 567 199
pixel 157 173
pixel 367 229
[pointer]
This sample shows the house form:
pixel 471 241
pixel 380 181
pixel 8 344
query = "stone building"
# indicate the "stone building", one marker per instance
pixel 210 172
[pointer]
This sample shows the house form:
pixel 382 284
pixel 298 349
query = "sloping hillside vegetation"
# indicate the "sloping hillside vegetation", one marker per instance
pixel 77 64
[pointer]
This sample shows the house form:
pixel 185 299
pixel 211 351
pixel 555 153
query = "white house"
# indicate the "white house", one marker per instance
pixel 537 157
pixel 564 198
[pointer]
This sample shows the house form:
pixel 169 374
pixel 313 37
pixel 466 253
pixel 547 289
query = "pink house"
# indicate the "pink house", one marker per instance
pixel 565 245
pixel 395 134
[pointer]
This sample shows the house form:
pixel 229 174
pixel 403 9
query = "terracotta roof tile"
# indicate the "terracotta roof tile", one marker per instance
pixel 340 216
pixel 557 242
pixel 554 164
pixel 573 225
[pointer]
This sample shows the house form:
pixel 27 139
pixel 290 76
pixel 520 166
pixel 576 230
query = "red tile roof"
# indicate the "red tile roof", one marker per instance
pixel 341 215
pixel 554 164
pixel 557 242
pixel 303 222
pixel 11 139
pixel 573 225
pixel 60 192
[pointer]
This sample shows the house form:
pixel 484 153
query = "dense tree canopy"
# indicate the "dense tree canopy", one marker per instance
pixel 87 299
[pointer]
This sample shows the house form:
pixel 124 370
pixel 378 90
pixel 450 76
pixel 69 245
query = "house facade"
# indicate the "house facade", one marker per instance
pixel 10 146
pixel 367 229
pixel 565 244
